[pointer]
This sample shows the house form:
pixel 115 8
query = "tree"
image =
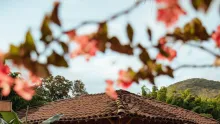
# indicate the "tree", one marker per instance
pixel 55 88
pixel 162 94
pixel 78 88
pixel 192 34
pixel 154 92
pixel 205 107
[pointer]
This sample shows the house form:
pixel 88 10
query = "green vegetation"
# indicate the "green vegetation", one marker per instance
pixel 200 87
pixel 9 117
pixel 12 118
pixel 209 107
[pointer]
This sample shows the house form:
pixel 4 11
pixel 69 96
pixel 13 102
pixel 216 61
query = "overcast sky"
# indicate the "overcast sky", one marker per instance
pixel 17 16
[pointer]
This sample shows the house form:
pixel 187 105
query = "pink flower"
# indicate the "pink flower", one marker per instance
pixel 35 79
pixel 170 13
pixel 5 81
pixel 110 91
pixel 71 34
pixel 5 84
pixel 162 41
pixel 24 89
pixel 2 55
pixel 125 79
pixel 21 87
pixel 168 2
pixel 216 37
pixel 171 54
pixel 86 47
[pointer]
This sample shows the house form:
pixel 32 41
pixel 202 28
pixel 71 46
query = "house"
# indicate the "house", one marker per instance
pixel 129 108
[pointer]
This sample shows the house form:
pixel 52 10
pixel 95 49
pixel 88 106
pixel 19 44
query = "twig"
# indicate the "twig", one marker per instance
pixel 203 48
pixel 124 12
pixel 195 66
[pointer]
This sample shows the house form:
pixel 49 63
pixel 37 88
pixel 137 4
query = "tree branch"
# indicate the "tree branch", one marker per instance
pixel 195 66
pixel 204 49
pixel 124 12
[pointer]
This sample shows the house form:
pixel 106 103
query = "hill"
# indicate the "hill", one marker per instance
pixel 201 87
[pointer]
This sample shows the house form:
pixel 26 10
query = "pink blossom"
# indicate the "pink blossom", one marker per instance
pixel 170 13
pixel 162 41
pixel 125 79
pixel 24 89
pixel 216 37
pixel 171 54
pixel 110 91
pixel 86 47
pixel 168 2
pixel 5 81
pixel 35 79
pixel 5 84
pixel 71 34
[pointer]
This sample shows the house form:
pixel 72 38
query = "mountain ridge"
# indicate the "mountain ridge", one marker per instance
pixel 197 86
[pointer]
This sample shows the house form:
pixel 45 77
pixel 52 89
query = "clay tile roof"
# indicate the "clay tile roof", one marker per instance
pixel 97 106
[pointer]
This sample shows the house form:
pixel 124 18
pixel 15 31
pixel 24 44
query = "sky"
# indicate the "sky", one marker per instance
pixel 17 16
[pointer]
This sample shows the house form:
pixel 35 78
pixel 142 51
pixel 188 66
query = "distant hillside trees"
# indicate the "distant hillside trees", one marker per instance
pixel 197 86
pixel 209 107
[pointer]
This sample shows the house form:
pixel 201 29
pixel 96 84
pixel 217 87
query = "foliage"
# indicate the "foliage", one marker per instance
pixel 200 87
pixel 52 119
pixel 206 107
pixel 9 118
pixel 54 88
pixel 162 94
pixel 12 118
pixel 78 88
pixel 168 12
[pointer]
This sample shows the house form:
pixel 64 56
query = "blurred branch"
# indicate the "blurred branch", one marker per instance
pixel 195 66
pixel 203 48
pixel 124 12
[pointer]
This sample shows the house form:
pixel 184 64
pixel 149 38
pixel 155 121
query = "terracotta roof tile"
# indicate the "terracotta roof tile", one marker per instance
pixel 98 106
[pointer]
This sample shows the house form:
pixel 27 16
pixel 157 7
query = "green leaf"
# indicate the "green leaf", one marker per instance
pixel 170 72
pixel 201 4
pixel 116 46
pixel 41 70
pixel 2 121
pixel 102 36
pixel 11 121
pixel 46 33
pixel 29 41
pixel 14 54
pixel 130 32
pixel 52 119
pixel 54 17
pixel 14 50
pixel 64 47
pixel 193 30
pixel 144 56
pixel 10 117
pixel 103 29
pixel 57 60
